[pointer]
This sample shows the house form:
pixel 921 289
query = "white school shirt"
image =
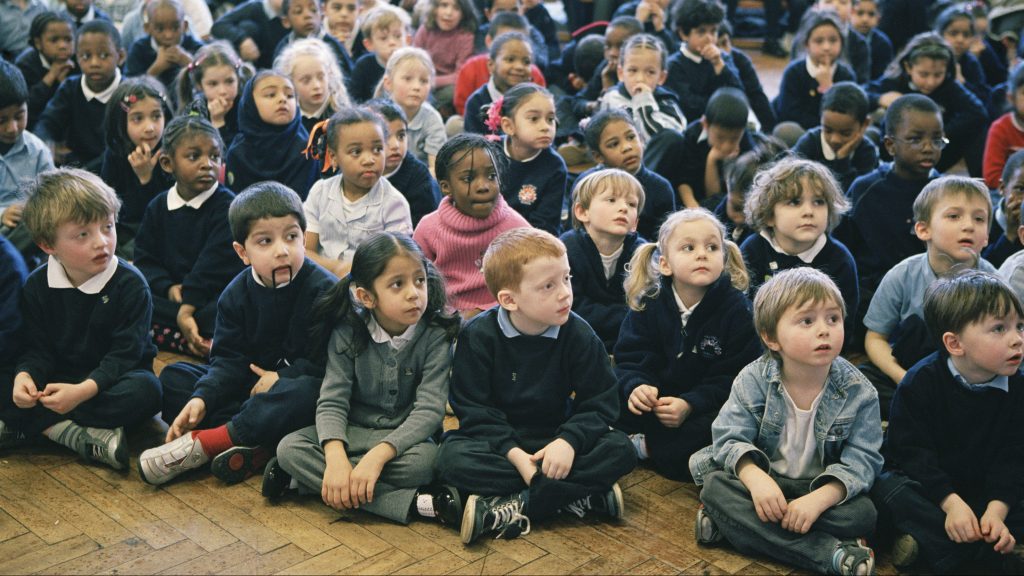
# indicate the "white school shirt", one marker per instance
pixel 797 453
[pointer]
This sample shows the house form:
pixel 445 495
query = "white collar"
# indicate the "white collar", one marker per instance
pixel 682 307
pixel 104 96
pixel 492 89
pixel 692 56
pixel 381 336
pixel 268 10
pixel 89 16
pixel 57 277
pixel 395 171
pixel 509 154
pixel 813 69
pixel 807 256
pixel 256 277
pixel 703 135
pixel 826 150
pixel 175 201
pixel 327 102
pixel 46 63
pixel 154 45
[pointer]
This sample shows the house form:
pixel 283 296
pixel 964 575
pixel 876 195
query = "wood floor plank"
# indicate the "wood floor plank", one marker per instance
pixel 34 511
pixel 520 550
pixel 401 537
pixel 546 565
pixel 386 562
pixel 45 556
pixel 213 562
pixel 9 527
pixel 278 518
pixel 342 528
pixel 271 562
pixel 19 546
pixel 102 558
pixel 441 563
pixel 492 563
pixel 449 539
pixel 238 523
pixel 553 540
pixel 334 560
pixel 652 567
pixel 159 560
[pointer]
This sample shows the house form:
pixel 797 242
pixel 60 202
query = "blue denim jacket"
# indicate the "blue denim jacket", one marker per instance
pixel 847 426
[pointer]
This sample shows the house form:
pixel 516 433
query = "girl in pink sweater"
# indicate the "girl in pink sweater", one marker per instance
pixel 447 34
pixel 472 213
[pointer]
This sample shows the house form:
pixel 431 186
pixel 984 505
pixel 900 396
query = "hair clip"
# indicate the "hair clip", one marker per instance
pixel 493 121
pixel 317 148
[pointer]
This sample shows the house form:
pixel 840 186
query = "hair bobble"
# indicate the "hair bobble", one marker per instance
pixel 317 148
pixel 493 121
pixel 128 101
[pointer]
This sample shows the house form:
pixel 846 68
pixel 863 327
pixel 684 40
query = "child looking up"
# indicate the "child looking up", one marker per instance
pixel 535 396
pixel 262 381
pixel 167 46
pixel 605 204
pixel 47 62
pixel 134 127
pixel 370 449
pixel 509 62
pixel 687 335
pixel 799 494
pixel 271 139
pixel 407 81
pixel 952 216
pixel 304 19
pixel 214 83
pixel 613 139
pixel 1006 135
pixel 447 35
pixel 839 143
pixel 184 243
pixel 86 366
pixel 472 213
pixel 344 210
pixel 403 170
pixel 384 30
pixel 319 85
pixel 951 486
pixel 74 115
pixel 536 176
pixel 807 79
pixel 794 205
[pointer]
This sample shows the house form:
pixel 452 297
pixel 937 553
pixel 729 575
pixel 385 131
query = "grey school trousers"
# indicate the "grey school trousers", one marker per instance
pixel 302 456
pixel 728 502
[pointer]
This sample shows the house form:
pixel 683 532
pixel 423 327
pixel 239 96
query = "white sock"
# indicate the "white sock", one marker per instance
pixel 425 505
pixel 640 445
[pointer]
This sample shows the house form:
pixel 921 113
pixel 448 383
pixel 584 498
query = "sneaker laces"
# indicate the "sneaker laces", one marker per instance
pixel 579 507
pixel 507 516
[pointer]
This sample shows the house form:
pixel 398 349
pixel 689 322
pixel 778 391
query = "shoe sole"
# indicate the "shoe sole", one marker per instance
pixel 620 505
pixel 466 531
pixel 904 553
pixel 234 464
pixel 697 530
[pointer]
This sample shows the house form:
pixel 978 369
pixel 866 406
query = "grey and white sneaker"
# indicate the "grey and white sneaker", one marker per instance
pixel 163 463
pixel 104 445
pixel 705 531
pixel 853 558
pixel 608 503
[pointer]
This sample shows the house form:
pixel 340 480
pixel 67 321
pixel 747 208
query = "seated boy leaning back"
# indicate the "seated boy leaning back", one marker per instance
pixel 261 383
pixel 526 446
pixel 86 368
pixel 796 445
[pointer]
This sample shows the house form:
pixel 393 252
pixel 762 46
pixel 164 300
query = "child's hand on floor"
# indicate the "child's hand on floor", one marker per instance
pixel 266 381
pixel 672 411
pixel 555 458
pixel 364 476
pixel 190 417
pixel 335 490
pixel 961 523
pixel 642 399
pixel 994 530
pixel 25 392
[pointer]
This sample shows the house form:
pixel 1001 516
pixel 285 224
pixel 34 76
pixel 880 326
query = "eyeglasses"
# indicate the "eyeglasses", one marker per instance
pixel 918 143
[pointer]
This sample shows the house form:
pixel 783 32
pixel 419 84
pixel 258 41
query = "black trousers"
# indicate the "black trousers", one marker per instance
pixel 669 449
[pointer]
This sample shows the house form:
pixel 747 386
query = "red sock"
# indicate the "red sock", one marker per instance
pixel 214 440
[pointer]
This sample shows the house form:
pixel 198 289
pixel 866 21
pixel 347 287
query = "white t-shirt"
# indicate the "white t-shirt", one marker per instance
pixel 610 261
pixel 797 454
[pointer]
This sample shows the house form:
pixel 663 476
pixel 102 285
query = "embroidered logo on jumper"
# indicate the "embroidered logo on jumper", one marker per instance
pixel 528 194
pixel 710 347
pixel 105 299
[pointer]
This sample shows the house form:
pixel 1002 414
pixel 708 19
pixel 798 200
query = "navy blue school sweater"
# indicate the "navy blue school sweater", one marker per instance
pixel 337 48
pixel 188 246
pixel 863 160
pixel 249 20
pixel 881 51
pixel 692 153
pixel 118 172
pixel 476 112
pixel 962 113
pixel 698 363
pixel 419 188
pixel 951 439
pixel 659 200
pixel 505 390
pixel 536 188
pixel 266 327
pixel 69 117
pixel 141 56
pixel 974 78
pixel 858 53
pixel 879 228
pixel 366 74
pixel 71 336
pixel 763 262
pixel 753 89
pixel 799 100
pixel 695 82
pixel 599 300
pixel 540 19
pixel 12 277
pixel 39 93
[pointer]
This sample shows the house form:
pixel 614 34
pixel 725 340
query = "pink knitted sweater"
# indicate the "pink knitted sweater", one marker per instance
pixel 456 243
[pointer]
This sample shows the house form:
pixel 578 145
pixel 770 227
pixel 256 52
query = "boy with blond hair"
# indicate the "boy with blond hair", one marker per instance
pixel 535 396
pixel 86 370
pixel 384 30
pixel 796 446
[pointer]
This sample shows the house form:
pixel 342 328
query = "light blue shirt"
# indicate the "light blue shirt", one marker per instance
pixel 18 168
pixel 1000 382
pixel 510 331
pixel 426 133
pixel 15 22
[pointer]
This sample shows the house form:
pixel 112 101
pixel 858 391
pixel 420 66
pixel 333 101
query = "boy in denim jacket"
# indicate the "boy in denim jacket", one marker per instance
pixel 796 445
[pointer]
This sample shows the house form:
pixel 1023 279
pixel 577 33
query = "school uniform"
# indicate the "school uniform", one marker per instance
pixel 540 20
pixel 337 48
pixel 187 243
pixel 393 392
pixel 693 79
pixel 881 51
pixel 118 173
pixel 13 274
pixel 309 121
pixel 510 390
pixel 759 103
pixel 864 159
pixel 75 115
pixel 695 360
pixel 858 55
pixel 686 163
pixel 474 73
pixel 425 132
pixel 598 295
pixel 98 331
pixel 93 13
pixel 254 19
pixel 477 108
pixel 27 158
pixel 659 200
pixel 974 78
pixel 535 188
pixel 15 22
pixel 652 112
pixel 366 75
pixel 143 53
pixel 268 327
pixel 799 98
pixel 34 67
pixel 413 181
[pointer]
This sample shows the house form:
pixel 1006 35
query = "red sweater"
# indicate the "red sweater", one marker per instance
pixel 448 50
pixel 456 242
pixel 1004 138
pixel 474 74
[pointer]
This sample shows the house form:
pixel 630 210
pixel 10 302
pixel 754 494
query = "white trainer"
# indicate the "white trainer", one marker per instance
pixel 163 463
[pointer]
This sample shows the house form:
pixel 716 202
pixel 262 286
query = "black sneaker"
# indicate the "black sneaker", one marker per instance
pixel 771 47
pixel 275 480
pixel 447 505
pixel 609 504
pixel 500 514
pixel 238 463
